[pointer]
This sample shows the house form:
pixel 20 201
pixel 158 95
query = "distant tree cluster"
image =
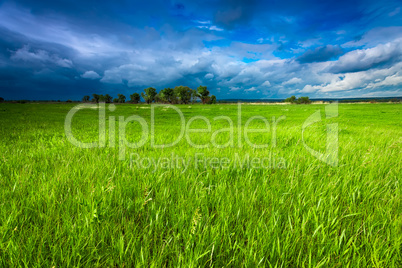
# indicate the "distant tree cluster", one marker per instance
pixel 1 99
pixel 177 95
pixel 135 98
pixel 300 100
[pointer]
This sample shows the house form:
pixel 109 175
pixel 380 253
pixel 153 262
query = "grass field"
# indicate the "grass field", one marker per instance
pixel 61 205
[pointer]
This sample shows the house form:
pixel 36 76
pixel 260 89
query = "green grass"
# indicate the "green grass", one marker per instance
pixel 66 206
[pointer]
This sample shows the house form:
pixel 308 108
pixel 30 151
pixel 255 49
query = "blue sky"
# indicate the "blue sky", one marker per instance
pixel 239 49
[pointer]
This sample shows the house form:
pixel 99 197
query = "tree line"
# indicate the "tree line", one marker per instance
pixel 300 100
pixel 177 95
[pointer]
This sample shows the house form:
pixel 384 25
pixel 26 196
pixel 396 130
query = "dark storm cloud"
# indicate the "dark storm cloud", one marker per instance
pixel 319 54
pixel 67 49
pixel 231 13
pixel 365 59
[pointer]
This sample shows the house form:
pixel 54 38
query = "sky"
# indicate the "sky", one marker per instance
pixel 58 50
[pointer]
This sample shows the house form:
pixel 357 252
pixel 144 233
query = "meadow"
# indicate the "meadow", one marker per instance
pixel 225 204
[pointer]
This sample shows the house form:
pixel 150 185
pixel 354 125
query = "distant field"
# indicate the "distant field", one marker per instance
pixel 229 204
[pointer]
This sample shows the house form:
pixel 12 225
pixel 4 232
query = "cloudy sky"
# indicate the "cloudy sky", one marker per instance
pixel 239 49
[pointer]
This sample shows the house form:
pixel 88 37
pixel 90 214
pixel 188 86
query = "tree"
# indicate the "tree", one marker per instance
pixel 122 98
pixel 166 95
pixel 149 95
pixel 291 99
pixel 303 100
pixel 300 100
pixel 169 95
pixel 95 98
pixel 161 97
pixel 212 100
pixel 102 98
pixel 135 98
pixel 115 100
pixel 85 99
pixel 194 96
pixel 203 93
pixel 108 98
pixel 183 93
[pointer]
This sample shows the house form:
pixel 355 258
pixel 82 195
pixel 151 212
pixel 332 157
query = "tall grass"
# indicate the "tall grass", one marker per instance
pixel 66 206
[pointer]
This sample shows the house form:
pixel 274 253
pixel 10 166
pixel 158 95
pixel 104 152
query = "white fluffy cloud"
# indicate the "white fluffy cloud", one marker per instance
pixel 363 59
pixel 292 81
pixel 310 89
pixel 393 80
pixel 155 59
pixel 364 81
pixel 209 76
pixel 90 75
pixel 266 84
pixel 363 70
pixel 41 56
